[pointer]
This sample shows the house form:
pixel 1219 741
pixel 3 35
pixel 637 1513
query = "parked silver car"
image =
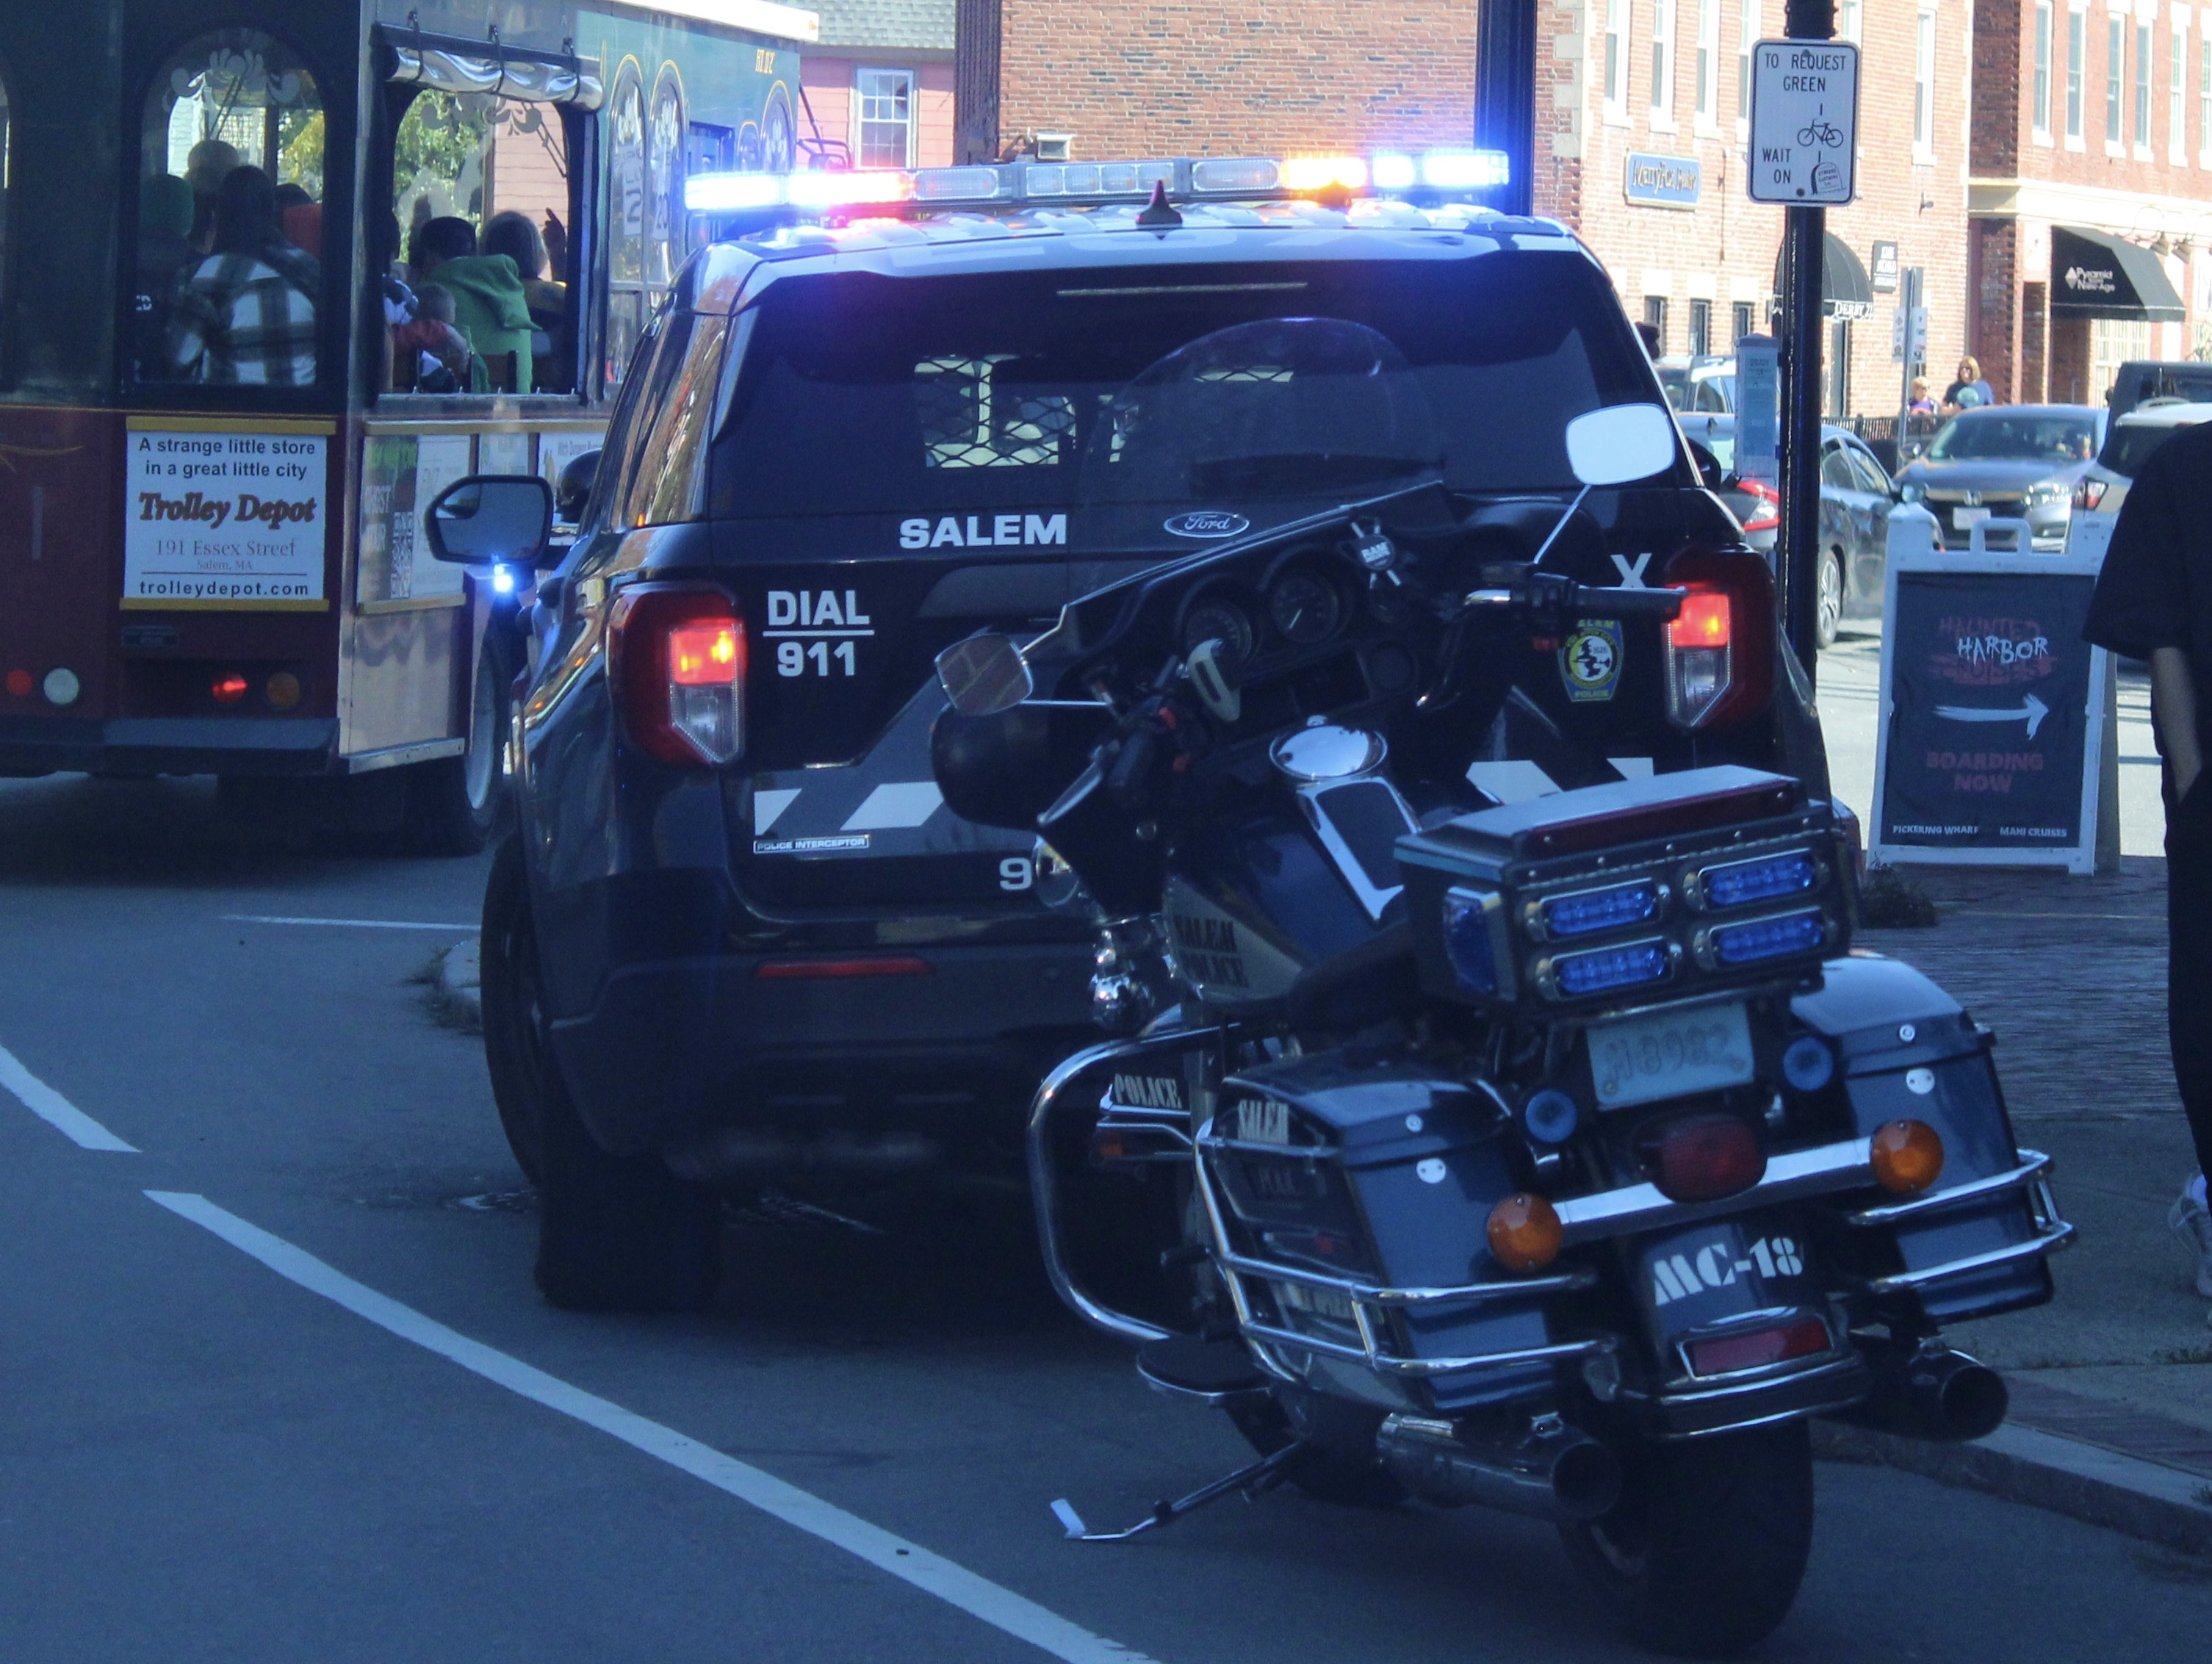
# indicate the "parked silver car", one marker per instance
pixel 2006 462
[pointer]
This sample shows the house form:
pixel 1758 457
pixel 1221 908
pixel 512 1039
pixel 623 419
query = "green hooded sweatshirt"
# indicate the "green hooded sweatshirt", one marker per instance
pixel 490 308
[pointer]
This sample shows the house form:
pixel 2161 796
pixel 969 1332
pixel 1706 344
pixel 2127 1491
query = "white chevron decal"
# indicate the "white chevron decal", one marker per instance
pixel 891 807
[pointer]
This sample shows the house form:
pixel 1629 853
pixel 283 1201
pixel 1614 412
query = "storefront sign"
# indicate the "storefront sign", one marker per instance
pixel 1882 279
pixel 1663 181
pixel 401 474
pixel 1993 705
pixel 225 515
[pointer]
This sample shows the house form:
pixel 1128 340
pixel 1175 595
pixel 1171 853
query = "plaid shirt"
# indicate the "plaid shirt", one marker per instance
pixel 247 320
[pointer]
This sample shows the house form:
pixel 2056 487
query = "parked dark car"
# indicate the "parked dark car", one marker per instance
pixel 2140 380
pixel 2008 462
pixel 1856 498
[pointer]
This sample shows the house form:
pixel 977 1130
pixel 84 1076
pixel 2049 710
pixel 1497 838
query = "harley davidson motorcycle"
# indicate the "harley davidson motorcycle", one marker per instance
pixel 1552 1153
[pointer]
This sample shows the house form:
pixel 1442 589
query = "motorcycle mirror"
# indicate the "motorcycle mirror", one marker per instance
pixel 1620 443
pixel 984 675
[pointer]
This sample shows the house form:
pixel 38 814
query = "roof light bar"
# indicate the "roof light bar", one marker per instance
pixel 1432 174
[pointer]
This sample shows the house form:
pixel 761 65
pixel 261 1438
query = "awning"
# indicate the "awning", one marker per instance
pixel 452 66
pixel 2094 273
pixel 1845 291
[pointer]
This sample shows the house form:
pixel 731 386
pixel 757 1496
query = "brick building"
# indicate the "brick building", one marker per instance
pixel 2091 197
pixel 880 83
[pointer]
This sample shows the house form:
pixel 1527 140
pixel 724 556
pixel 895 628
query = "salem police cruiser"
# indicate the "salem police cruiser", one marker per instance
pixel 737 938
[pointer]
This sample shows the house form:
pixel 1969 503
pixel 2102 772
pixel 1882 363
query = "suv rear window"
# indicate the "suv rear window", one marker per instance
pixel 861 393
pixel 2130 443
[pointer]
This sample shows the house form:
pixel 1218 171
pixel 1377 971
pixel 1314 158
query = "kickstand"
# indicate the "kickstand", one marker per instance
pixel 1260 1476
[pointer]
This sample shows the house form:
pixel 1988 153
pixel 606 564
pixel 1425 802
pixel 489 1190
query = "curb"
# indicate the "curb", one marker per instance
pixel 459 984
pixel 2143 1499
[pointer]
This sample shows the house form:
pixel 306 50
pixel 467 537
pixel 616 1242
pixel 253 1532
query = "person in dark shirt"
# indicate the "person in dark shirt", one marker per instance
pixel 2153 601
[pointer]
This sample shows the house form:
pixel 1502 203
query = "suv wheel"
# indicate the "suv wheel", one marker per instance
pixel 615 1233
pixel 1828 599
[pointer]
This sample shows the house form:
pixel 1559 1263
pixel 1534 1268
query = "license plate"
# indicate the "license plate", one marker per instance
pixel 1669 1054
pixel 1963 517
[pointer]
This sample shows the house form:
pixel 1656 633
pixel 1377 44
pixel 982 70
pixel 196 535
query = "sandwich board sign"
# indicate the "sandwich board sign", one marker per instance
pixel 1993 726
pixel 1804 123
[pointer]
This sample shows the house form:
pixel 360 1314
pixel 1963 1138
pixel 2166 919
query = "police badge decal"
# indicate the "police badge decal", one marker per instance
pixel 1589 660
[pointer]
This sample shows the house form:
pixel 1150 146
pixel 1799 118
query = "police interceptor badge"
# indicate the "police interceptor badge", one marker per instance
pixel 1589 660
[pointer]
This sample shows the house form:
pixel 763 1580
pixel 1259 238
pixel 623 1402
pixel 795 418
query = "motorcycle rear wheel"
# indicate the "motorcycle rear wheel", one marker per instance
pixel 1703 1555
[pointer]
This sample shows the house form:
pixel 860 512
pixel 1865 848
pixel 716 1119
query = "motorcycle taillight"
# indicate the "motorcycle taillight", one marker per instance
pixel 1720 648
pixel 675 656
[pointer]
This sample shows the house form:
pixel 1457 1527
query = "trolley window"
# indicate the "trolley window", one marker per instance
pixel 229 288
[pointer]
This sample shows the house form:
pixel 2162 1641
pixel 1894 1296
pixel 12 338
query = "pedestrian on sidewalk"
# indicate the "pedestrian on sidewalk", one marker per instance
pixel 2153 601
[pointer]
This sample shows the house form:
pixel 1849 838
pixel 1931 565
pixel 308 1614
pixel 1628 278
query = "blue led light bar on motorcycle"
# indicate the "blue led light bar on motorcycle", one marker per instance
pixel 1603 969
pixel 1588 910
pixel 1769 938
pixel 1741 883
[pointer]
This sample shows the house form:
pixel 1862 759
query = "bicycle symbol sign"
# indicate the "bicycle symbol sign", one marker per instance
pixel 1804 123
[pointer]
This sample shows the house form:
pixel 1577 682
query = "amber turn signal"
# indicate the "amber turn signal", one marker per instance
pixel 1907 1157
pixel 1524 1232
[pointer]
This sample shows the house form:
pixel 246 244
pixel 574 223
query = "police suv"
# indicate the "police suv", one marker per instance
pixel 736 937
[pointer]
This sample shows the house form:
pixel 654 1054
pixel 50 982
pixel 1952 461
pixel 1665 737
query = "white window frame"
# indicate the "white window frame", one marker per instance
pixel 1924 86
pixel 2204 91
pixel 1664 23
pixel 2075 90
pixel 1619 32
pixel 1850 20
pixel 2177 91
pixel 1748 23
pixel 2116 83
pixel 1708 66
pixel 860 108
pixel 2145 125
pixel 2042 81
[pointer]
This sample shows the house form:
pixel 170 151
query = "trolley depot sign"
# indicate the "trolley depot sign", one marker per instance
pixel 225 514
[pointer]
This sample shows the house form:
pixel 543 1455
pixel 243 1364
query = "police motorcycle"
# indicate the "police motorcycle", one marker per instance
pixel 1555 1155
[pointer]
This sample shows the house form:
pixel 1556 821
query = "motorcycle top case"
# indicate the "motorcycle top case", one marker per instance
pixel 1645 890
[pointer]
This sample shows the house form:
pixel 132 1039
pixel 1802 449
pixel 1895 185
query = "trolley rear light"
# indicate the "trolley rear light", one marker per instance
pixel 1720 648
pixel 19 684
pixel 676 657
pixel 794 971
pixel 229 688
pixel 1762 1348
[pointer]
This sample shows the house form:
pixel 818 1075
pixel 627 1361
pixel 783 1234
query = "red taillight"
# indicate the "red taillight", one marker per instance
pixel 1766 511
pixel 229 689
pixel 1720 648
pixel 1729 1353
pixel 1702 1158
pixel 2088 492
pixel 790 970
pixel 676 653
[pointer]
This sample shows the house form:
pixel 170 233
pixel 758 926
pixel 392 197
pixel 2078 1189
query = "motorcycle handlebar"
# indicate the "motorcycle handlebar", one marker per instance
pixel 1580 601
pixel 1132 765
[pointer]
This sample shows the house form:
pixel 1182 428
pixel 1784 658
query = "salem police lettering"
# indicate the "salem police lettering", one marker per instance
pixel 983 530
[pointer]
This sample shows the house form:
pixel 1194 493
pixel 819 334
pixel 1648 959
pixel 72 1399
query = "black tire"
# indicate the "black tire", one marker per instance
pixel 1829 600
pixel 615 1233
pixel 1703 1555
pixel 457 805
pixel 1343 1466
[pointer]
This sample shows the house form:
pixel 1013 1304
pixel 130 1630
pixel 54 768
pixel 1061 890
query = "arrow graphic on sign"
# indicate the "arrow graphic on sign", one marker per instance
pixel 2032 711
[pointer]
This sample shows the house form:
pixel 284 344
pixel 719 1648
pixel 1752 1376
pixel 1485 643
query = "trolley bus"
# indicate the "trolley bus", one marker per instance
pixel 268 279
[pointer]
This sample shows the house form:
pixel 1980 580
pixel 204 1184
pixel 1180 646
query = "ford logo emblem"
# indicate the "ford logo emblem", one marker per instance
pixel 1206 522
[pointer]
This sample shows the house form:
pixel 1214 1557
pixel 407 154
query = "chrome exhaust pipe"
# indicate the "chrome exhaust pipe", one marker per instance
pixel 1931 1392
pixel 1555 1473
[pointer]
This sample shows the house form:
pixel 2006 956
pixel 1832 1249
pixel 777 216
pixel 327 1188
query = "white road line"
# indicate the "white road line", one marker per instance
pixel 57 1111
pixel 351 924
pixel 952 1583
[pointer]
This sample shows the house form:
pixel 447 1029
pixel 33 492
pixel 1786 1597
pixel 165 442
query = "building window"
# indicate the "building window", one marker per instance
pixel 1746 38
pixel 2176 94
pixel 882 118
pixel 1655 314
pixel 2116 69
pixel 1923 89
pixel 1662 61
pixel 2043 69
pixel 1839 368
pixel 1701 329
pixel 2113 342
pixel 1616 59
pixel 1847 22
pixel 2077 51
pixel 1742 321
pixel 1708 66
pixel 2143 88
pixel 2205 99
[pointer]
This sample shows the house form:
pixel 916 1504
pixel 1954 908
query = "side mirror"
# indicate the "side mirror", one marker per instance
pixel 984 675
pixel 574 490
pixel 489 520
pixel 1622 442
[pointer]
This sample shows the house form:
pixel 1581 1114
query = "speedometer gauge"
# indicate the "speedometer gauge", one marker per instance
pixel 1305 607
pixel 1217 618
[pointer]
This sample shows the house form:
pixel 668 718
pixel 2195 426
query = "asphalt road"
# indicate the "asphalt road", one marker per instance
pixel 307 1405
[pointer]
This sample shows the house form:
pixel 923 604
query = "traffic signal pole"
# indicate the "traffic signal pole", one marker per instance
pixel 1804 238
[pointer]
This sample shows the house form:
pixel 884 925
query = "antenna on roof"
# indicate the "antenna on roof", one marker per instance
pixel 1159 212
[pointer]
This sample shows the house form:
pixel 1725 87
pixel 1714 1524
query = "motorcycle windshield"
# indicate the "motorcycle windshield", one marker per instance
pixel 1262 416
